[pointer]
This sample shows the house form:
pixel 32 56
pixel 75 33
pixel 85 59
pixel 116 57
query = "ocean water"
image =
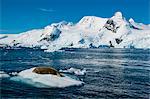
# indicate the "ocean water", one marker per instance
pixel 111 73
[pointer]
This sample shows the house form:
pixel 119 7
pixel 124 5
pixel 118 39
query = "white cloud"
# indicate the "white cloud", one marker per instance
pixel 46 10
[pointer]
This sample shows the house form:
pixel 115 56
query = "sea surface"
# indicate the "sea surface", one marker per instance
pixel 111 73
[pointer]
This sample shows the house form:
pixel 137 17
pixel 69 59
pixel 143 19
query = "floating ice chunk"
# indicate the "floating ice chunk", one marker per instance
pixel 75 71
pixel 13 73
pixel 3 74
pixel 45 80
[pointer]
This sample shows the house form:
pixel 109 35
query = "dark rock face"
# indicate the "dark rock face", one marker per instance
pixel 111 25
pixel 53 36
pixel 47 70
pixel 118 41
pixel 111 44
pixel 134 27
pixel 15 44
pixel 82 41
pixel 3 37
pixel 92 46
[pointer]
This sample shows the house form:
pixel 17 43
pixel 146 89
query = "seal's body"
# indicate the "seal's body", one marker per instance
pixel 46 70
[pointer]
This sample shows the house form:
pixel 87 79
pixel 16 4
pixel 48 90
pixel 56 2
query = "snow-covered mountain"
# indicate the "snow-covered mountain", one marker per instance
pixel 89 32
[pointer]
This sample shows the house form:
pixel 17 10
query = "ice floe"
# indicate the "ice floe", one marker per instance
pixel 45 80
pixel 74 71
pixel 3 74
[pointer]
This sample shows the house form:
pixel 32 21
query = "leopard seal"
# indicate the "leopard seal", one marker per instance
pixel 47 70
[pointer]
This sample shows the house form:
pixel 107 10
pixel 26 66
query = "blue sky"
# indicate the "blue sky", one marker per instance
pixel 22 15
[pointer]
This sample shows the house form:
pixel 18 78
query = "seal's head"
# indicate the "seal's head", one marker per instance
pixel 47 70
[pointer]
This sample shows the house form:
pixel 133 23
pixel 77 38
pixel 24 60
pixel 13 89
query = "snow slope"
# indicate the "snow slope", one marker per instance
pixel 89 32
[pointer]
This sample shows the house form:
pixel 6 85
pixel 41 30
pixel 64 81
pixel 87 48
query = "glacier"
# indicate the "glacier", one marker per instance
pixel 89 32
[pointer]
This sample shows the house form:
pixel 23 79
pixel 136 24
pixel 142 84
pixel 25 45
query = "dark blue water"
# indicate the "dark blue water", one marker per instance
pixel 111 73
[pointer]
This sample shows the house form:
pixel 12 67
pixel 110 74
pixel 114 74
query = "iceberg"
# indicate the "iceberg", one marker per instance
pixel 45 80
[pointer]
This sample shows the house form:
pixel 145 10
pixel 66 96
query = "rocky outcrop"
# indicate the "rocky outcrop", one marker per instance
pixel 111 25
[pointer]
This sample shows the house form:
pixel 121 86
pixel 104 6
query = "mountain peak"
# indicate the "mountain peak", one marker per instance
pixel 118 15
pixel 92 22
pixel 131 20
pixel 87 19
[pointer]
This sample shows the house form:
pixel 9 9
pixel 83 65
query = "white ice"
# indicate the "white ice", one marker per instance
pixel 3 74
pixel 75 71
pixel 45 80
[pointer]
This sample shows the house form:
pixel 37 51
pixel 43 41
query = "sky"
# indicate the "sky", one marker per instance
pixel 22 15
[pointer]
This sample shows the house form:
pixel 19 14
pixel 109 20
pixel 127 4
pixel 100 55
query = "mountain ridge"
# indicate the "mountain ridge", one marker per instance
pixel 89 32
